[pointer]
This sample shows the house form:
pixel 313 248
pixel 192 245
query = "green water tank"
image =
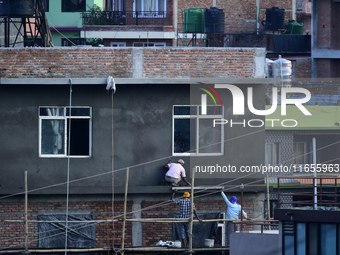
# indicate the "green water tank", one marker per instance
pixel 193 20
pixel 293 27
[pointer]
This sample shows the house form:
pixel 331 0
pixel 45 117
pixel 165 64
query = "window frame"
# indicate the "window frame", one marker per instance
pixel 276 150
pixel 198 117
pixel 63 6
pixel 65 138
pixel 157 15
pixel 149 44
pixel 117 44
pixel 307 155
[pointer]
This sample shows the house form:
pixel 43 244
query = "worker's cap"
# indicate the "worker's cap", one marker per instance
pixel 186 194
pixel 181 161
pixel 233 199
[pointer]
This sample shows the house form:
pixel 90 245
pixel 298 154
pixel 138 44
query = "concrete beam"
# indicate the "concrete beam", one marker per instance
pixel 157 81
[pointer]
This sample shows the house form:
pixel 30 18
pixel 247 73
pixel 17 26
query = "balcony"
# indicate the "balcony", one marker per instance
pixel 130 18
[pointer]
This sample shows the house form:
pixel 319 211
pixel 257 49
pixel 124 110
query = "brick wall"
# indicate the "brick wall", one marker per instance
pixel 153 232
pixel 240 16
pixel 102 62
pixel 12 234
pixel 302 68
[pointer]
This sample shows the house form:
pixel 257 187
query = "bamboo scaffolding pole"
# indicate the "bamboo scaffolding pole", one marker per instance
pixel 125 203
pixel 61 221
pixel 133 249
pixel 268 199
pixel 192 208
pixel 26 222
pixel 170 220
pixel 54 250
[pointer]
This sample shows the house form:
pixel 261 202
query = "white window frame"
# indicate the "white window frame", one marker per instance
pixel 118 44
pixel 276 149
pixel 156 15
pixel 65 138
pixel 149 44
pixel 197 117
pixel 307 155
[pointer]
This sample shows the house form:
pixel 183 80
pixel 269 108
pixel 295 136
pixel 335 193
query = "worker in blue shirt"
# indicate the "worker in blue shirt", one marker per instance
pixel 233 212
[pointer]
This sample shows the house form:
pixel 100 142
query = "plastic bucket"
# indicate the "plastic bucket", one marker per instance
pixel 209 242
pixel 177 244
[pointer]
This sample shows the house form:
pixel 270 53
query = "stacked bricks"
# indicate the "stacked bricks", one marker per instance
pixel 12 234
pixel 118 63
pixel 153 232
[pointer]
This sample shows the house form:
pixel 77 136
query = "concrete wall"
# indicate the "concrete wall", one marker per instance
pixel 255 244
pixel 142 124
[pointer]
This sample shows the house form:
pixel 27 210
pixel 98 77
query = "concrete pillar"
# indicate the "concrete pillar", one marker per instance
pixel 137 227
pixel 137 62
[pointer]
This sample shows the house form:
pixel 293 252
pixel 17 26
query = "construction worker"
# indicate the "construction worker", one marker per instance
pixel 184 213
pixel 176 173
pixel 233 212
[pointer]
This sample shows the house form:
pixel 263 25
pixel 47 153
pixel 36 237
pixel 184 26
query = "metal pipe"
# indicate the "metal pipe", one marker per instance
pixel 314 175
pixel 242 186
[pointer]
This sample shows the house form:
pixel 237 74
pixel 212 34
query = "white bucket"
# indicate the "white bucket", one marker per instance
pixel 209 242
pixel 177 244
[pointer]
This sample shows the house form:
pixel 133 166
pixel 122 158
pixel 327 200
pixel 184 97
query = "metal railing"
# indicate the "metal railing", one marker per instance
pixel 326 188
pixel 268 224
pixel 119 18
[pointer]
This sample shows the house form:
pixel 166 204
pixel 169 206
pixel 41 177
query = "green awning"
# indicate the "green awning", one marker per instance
pixel 324 117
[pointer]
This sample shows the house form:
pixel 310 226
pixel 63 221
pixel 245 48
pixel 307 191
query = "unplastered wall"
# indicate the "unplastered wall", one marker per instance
pixel 12 230
pixel 240 16
pixel 132 62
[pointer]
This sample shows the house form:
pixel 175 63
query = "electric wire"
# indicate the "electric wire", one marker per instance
pixel 137 165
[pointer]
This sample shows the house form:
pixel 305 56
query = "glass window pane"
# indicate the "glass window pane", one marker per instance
pixel 298 153
pixel 288 245
pixel 183 143
pixel 47 111
pixel 138 5
pixel 209 137
pixel 80 139
pixel 73 5
pixel 78 111
pixel 269 154
pixel 301 238
pixel 313 238
pixel 52 137
pixel 185 110
pixel 276 154
pixel 212 110
pixel 161 6
pixel 328 239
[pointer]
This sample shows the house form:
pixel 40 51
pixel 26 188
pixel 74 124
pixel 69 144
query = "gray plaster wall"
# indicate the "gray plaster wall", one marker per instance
pixel 142 137
pixel 255 244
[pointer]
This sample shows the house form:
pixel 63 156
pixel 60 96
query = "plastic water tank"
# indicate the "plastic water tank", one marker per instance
pixel 16 8
pixel 293 27
pixel 275 19
pixel 214 20
pixel 284 65
pixel 193 20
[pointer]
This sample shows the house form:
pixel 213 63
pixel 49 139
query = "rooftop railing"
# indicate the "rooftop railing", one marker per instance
pixel 119 18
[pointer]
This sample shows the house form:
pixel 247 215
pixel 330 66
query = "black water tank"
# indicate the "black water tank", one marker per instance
pixel 275 19
pixel 16 8
pixel 214 19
